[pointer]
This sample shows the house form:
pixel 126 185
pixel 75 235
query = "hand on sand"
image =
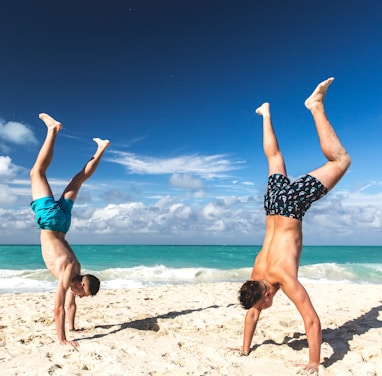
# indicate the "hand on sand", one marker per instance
pixel 71 343
pixel 307 369
pixel 240 351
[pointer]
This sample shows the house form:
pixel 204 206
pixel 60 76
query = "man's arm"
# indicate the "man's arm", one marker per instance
pixel 298 295
pixel 250 323
pixel 59 305
pixel 71 309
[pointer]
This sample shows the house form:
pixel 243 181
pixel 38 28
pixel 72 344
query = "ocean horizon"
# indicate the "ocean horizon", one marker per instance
pixel 130 266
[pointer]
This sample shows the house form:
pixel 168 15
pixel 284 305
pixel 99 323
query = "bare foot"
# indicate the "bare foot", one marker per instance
pixel 50 122
pixel 102 144
pixel 316 99
pixel 263 109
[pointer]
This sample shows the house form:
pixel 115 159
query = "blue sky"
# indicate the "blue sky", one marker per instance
pixel 174 85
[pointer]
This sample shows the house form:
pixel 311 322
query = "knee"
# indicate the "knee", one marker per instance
pixel 33 172
pixel 345 161
pixel 36 173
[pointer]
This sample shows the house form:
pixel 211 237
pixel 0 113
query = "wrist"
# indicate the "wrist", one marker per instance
pixel 244 352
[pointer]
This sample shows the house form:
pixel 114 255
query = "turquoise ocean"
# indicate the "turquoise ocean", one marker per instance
pixel 126 266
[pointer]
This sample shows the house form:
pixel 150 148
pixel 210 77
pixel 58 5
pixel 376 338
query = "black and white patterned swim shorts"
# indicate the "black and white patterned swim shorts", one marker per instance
pixel 292 199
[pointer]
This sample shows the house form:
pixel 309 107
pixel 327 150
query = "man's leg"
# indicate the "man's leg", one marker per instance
pixel 338 159
pixel 39 182
pixel 71 191
pixel 272 151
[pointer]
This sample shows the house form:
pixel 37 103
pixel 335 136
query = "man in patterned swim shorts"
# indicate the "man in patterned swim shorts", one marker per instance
pixel 285 204
pixel 53 218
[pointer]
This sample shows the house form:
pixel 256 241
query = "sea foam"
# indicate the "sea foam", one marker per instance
pixel 17 281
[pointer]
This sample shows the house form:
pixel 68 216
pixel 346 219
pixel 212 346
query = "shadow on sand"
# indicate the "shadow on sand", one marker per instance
pixel 338 339
pixel 149 323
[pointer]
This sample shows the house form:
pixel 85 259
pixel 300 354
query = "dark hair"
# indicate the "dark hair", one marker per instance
pixel 92 282
pixel 250 293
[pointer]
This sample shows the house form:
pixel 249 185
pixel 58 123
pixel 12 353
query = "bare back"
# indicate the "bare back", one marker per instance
pixel 281 251
pixel 58 255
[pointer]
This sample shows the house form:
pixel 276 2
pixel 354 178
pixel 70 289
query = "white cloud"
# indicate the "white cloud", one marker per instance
pixel 186 181
pixel 8 170
pixel 342 217
pixel 211 211
pixel 17 226
pixel 208 167
pixel 338 219
pixel 181 212
pixel 7 196
pixel 16 133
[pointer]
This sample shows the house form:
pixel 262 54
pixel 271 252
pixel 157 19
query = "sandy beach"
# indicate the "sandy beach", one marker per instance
pixel 191 330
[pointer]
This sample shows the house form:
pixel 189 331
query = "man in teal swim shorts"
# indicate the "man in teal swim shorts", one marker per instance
pixel 53 218
pixel 285 203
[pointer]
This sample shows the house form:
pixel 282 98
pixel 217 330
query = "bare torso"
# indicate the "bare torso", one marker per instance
pixel 57 254
pixel 281 251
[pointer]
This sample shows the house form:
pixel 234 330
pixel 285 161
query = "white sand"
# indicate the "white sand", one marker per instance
pixel 189 330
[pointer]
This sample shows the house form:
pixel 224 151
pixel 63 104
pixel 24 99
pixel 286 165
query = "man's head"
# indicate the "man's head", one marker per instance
pixel 255 294
pixel 85 285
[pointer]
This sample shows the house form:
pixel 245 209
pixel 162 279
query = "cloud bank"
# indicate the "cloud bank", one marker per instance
pixel 202 200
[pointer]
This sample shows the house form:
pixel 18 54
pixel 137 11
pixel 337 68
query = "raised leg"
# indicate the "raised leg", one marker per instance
pixel 276 164
pixel 338 159
pixel 39 182
pixel 71 191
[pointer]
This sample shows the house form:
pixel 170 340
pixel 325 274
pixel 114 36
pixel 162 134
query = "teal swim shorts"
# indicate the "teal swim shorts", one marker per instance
pixel 53 215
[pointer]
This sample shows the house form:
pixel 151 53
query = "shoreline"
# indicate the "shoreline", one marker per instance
pixel 191 330
pixel 134 285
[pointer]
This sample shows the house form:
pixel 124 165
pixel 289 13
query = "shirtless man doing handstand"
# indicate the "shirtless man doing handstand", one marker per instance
pixel 53 218
pixel 276 265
